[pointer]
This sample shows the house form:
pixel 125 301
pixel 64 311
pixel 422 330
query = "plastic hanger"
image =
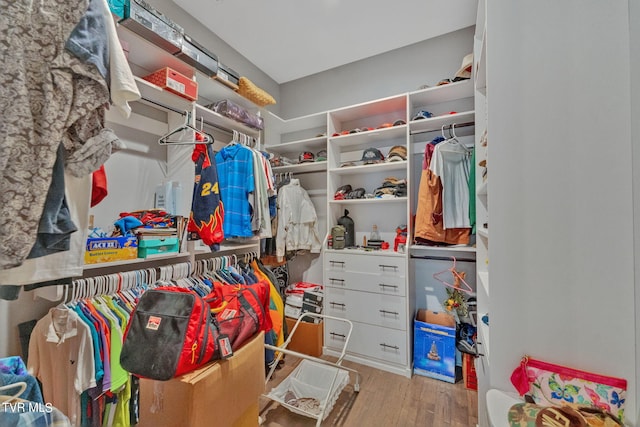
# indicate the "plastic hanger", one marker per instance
pixel 21 384
pixel 458 279
pixel 453 141
pixel 186 135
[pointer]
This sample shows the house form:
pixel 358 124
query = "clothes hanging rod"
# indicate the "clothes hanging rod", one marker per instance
pixel 182 112
pixel 461 125
pixel 442 258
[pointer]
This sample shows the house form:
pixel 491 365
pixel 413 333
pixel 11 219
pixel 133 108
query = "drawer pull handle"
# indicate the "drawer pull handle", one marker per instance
pixel 383 266
pixel 333 304
pixel 385 346
pixel 331 279
pixel 383 312
pixel 336 335
pixel 383 286
pixel 336 262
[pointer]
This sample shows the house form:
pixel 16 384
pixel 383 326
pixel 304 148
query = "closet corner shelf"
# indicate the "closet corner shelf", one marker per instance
pixel 310 144
pixel 368 201
pixel 283 126
pixel 435 123
pixel 378 167
pixel 302 168
pixel 218 119
pixel 364 139
pixel 152 94
pixel 444 93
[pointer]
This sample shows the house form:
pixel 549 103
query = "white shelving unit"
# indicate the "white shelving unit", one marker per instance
pixel 482 212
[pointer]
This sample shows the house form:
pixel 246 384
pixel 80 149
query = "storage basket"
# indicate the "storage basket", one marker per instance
pixel 253 93
pixel 310 386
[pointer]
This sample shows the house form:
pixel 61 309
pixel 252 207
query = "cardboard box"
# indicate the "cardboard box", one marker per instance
pixel 108 249
pixel 171 80
pixel 308 338
pixel 434 349
pixel 224 393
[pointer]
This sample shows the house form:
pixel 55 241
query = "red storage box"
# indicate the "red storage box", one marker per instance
pixel 175 82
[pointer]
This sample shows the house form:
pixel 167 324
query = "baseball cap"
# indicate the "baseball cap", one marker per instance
pixel 321 156
pixel 397 153
pixel 465 69
pixel 422 114
pixel 372 155
pixel 399 122
pixel 306 157
pixel 341 192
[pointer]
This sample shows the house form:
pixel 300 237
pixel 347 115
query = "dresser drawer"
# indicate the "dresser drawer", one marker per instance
pixel 366 282
pixel 376 309
pixel 369 341
pixel 387 266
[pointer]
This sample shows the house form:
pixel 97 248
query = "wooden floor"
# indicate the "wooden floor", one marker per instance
pixel 384 400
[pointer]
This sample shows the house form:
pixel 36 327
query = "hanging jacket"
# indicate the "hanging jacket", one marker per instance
pixel 429 226
pixel 297 221
pixel 207 210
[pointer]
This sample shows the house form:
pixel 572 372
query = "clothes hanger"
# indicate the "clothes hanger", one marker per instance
pixel 453 141
pixel 458 279
pixel 21 384
pixel 186 135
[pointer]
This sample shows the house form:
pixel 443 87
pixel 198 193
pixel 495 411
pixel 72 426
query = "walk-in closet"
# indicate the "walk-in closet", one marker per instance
pixel 239 214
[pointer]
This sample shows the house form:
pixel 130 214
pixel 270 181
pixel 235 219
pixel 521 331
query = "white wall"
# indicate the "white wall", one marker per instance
pixel 392 73
pixel 561 197
pixel 634 28
pixel 226 54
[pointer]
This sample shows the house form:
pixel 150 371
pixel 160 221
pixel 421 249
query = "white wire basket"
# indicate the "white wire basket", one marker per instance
pixel 313 387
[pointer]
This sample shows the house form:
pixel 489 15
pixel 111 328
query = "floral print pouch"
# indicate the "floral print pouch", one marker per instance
pixel 548 384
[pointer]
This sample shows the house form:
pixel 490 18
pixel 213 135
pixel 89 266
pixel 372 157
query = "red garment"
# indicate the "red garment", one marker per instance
pixel 98 186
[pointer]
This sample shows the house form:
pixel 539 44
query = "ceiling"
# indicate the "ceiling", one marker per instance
pixel 290 39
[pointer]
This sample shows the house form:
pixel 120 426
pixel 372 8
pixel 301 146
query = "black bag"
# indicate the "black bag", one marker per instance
pixel 171 332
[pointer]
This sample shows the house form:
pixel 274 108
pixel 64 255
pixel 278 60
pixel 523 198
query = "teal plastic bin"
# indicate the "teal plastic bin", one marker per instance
pixel 148 247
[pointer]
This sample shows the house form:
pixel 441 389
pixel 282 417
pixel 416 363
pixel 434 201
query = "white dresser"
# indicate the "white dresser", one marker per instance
pixel 370 289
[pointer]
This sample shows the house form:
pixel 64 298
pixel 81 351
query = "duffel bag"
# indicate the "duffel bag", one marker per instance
pixel 240 310
pixel 171 332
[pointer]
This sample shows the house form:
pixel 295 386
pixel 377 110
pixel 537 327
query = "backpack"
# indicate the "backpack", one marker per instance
pixel 171 332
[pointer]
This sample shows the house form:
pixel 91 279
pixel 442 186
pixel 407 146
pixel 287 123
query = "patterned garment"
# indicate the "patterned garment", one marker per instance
pixel 47 96
pixel 207 211
pixel 22 413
